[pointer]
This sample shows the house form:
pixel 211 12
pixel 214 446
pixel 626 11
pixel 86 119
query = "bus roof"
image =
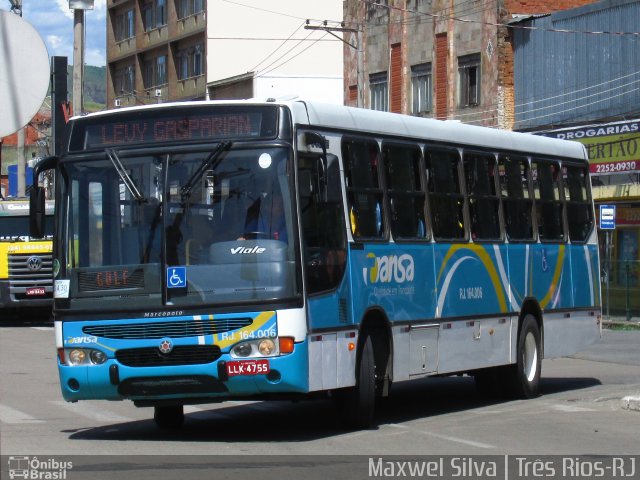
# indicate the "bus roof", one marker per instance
pixel 375 122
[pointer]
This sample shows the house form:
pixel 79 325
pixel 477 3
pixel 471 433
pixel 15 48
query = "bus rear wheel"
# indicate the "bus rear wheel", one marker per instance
pixel 524 375
pixel 169 417
pixel 358 403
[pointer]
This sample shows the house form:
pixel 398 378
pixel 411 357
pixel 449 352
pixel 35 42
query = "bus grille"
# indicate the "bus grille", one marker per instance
pixel 30 275
pixel 180 355
pixel 189 328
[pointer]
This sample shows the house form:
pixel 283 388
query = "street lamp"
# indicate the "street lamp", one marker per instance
pixel 78 7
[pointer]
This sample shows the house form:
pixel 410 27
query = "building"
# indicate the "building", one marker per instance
pixel 155 51
pixel 596 101
pixel 162 50
pixel 448 59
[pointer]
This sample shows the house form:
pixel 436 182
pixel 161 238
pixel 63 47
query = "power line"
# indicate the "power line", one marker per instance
pixel 296 55
pixel 278 48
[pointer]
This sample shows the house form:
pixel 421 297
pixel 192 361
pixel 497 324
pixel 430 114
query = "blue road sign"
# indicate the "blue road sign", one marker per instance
pixel 176 277
pixel 607 217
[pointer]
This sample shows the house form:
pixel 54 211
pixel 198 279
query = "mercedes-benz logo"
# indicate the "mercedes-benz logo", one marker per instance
pixel 166 346
pixel 34 263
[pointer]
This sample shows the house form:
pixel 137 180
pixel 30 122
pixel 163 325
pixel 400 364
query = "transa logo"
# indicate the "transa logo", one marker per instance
pixel 387 269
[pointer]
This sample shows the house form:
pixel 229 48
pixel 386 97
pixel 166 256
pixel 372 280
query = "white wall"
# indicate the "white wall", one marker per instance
pixel 319 89
pixel 244 36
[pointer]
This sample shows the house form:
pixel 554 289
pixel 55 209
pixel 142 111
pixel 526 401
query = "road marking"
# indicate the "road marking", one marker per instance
pixel 90 411
pixel 571 408
pixel 463 441
pixel 43 329
pixel 13 416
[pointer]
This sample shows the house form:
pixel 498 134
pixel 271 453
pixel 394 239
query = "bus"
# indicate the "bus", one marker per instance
pixel 413 247
pixel 26 280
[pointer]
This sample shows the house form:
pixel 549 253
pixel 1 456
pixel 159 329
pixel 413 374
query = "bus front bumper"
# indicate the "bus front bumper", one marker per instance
pixel 208 382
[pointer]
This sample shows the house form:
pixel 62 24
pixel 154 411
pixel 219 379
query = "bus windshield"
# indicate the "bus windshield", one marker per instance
pixel 145 229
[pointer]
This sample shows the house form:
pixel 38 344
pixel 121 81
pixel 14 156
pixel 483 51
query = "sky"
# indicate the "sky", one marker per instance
pixel 54 22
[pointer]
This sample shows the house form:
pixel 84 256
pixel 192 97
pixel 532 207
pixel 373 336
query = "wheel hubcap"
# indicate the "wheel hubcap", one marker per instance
pixel 530 357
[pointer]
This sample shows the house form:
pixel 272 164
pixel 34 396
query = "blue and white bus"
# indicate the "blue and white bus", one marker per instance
pixel 404 247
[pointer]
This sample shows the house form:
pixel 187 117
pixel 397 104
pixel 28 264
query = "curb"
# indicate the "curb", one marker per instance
pixel 631 403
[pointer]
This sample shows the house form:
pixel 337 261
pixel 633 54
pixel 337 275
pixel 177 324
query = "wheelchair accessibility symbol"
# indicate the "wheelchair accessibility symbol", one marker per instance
pixel 176 277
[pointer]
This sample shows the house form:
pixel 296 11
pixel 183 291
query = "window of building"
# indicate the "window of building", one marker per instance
pixel 364 193
pixel 161 70
pixel 125 80
pixel 125 25
pixel 187 8
pixel 198 59
pixel 445 195
pixel 469 80
pixel 147 16
pixel 421 88
pixel 161 13
pixel 154 14
pixel 546 191
pixel 189 62
pixel 484 205
pixel 155 71
pixel 579 213
pixel 379 87
pixel 517 204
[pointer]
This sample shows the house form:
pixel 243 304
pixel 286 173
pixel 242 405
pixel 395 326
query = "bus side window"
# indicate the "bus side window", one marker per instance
pixel 324 238
pixel 516 201
pixel 445 197
pixel 579 211
pixel 404 187
pixel 546 189
pixel 480 177
pixel 364 194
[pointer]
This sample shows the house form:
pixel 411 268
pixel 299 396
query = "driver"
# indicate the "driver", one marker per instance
pixel 266 218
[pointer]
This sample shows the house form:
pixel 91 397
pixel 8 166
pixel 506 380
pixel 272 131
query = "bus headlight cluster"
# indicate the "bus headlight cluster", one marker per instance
pixel 83 356
pixel 265 347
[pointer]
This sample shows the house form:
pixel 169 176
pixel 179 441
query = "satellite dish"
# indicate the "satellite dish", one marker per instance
pixel 24 72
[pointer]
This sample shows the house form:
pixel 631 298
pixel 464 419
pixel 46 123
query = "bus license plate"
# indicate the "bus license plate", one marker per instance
pixel 247 367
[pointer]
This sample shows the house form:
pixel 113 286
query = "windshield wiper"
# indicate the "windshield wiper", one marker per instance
pixel 212 161
pixel 124 176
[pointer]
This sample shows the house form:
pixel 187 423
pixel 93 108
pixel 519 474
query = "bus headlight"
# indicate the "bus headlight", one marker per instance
pixel 265 347
pixel 84 356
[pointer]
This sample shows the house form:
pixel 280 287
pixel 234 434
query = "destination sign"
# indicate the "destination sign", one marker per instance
pixel 193 123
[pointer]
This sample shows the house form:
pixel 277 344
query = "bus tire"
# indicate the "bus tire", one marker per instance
pixel 169 417
pixel 359 402
pixel 524 375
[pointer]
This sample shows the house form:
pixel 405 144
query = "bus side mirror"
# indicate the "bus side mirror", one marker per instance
pixel 36 212
pixel 332 192
pixel 37 207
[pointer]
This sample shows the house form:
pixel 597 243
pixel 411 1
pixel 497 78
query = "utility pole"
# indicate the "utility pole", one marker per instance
pixel 78 7
pixel 78 60
pixel 16 7
pixel 358 48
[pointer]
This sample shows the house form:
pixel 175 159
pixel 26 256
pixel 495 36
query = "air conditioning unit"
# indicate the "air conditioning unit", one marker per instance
pixel 118 103
pixel 158 92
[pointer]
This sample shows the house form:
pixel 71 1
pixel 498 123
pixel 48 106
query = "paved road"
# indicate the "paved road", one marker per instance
pixel 579 412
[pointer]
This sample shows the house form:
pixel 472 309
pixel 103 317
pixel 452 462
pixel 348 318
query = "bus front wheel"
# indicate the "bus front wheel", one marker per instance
pixel 358 403
pixel 169 417
pixel 524 375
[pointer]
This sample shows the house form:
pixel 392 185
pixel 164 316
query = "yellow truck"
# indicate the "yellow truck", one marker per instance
pixel 26 266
